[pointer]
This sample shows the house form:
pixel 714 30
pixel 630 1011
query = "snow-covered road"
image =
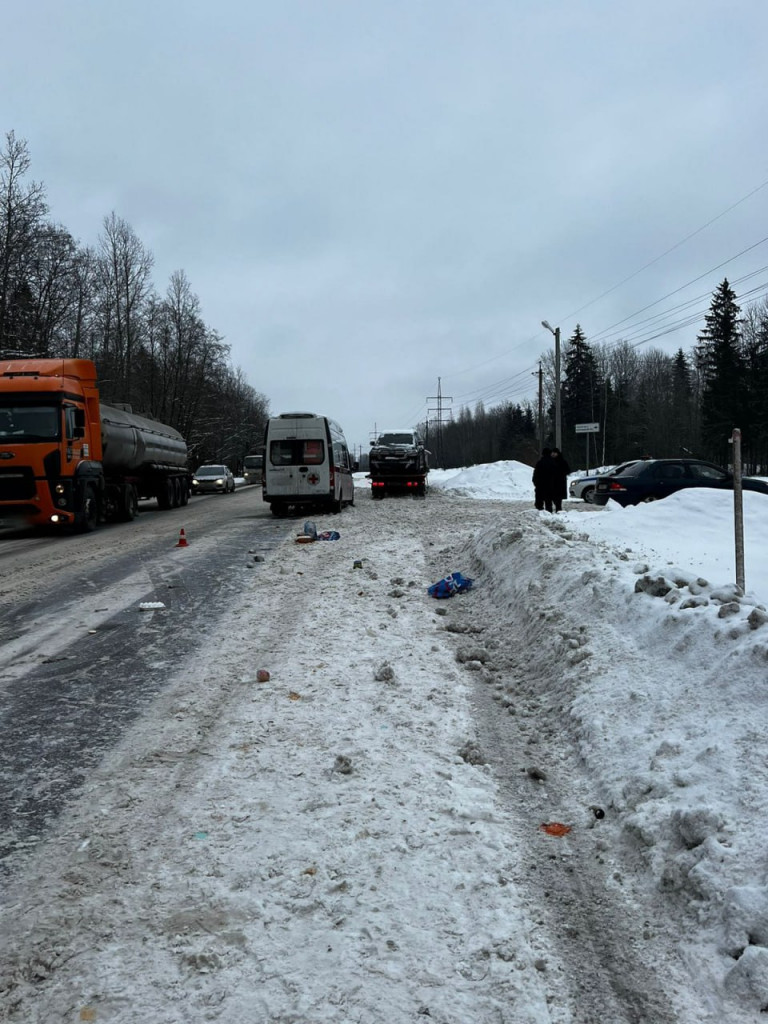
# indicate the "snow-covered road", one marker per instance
pixel 358 838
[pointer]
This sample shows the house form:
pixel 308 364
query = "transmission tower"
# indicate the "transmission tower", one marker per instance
pixel 441 416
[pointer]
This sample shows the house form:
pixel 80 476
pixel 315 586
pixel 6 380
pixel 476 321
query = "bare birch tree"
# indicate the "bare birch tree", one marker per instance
pixel 22 209
pixel 124 270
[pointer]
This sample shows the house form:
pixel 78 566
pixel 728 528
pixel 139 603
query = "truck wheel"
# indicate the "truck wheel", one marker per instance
pixel 184 492
pixel 165 494
pixel 130 503
pixel 90 516
pixel 278 509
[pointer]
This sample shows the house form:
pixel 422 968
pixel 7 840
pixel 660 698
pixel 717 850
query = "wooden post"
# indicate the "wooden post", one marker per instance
pixel 738 508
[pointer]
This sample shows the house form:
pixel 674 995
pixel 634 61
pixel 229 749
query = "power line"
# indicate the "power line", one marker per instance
pixel 635 273
pixel 502 389
pixel 687 285
pixel 650 329
pixel 481 391
pixel 672 248
pixel 631 334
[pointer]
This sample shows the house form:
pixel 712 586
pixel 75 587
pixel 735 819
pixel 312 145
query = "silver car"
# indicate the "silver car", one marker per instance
pixel 209 479
pixel 584 486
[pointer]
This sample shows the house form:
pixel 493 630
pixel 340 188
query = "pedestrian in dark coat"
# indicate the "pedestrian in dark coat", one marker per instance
pixel 559 477
pixel 542 481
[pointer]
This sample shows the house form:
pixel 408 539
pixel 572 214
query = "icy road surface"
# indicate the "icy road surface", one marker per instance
pixel 359 837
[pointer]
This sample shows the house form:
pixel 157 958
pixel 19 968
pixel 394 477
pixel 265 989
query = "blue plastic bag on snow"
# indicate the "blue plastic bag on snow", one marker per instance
pixel 455 583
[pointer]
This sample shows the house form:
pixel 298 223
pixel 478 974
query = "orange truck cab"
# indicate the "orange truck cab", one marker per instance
pixel 68 459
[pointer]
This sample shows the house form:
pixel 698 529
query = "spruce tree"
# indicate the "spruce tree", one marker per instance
pixel 754 424
pixel 582 388
pixel 722 368
pixel 759 395
pixel 683 418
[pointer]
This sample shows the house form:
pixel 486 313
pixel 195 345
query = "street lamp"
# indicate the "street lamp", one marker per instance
pixel 556 332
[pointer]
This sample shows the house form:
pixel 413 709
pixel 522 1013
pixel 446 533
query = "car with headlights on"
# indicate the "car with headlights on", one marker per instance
pixel 653 479
pixel 584 486
pixel 212 479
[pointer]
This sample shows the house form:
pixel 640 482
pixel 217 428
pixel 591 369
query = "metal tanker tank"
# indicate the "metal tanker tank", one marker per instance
pixel 133 444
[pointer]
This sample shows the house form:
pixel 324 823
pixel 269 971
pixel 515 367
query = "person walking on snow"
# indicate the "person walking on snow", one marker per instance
pixel 559 479
pixel 542 481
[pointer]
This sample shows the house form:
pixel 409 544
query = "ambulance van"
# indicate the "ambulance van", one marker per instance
pixel 307 464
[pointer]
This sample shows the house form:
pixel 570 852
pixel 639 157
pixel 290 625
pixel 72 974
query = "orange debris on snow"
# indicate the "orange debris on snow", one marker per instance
pixel 555 828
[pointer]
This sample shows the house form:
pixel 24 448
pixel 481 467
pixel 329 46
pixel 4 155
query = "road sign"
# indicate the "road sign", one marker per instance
pixel 587 428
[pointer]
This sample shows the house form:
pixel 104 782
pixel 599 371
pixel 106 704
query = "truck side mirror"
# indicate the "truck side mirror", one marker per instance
pixel 79 430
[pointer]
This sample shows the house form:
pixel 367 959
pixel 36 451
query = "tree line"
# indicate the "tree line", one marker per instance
pixel 60 299
pixel 646 403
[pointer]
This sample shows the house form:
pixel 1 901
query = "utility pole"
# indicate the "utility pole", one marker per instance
pixel 558 431
pixel 439 398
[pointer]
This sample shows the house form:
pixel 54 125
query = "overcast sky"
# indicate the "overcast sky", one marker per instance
pixel 367 197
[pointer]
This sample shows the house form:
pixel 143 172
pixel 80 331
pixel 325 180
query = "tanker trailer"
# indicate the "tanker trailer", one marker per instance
pixel 68 459
pixel 148 455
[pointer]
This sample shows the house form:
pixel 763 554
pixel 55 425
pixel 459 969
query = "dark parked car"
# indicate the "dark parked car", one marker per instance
pixel 208 479
pixel 584 486
pixel 656 478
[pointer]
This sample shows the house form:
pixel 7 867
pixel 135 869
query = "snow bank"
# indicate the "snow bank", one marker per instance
pixel 661 676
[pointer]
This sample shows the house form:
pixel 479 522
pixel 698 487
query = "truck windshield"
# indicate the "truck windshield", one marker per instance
pixel 29 423
pixel 254 461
